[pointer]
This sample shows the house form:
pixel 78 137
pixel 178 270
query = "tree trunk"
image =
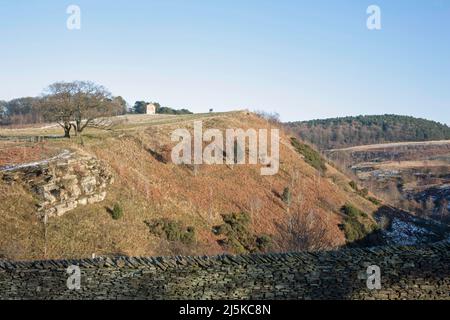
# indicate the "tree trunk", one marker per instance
pixel 74 126
pixel 67 131
pixel 78 126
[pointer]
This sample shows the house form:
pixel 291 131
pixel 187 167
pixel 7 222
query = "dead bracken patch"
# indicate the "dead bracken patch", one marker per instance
pixel 27 153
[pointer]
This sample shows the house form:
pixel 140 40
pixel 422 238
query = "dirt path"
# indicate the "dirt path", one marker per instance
pixel 391 145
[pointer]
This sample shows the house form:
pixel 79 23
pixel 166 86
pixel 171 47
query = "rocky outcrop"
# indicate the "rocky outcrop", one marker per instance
pixel 62 183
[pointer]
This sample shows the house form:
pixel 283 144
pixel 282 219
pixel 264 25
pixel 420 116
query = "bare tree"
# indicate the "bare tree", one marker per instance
pixel 256 205
pixel 58 105
pixel 92 101
pixel 210 209
pixel 443 208
pixel 428 207
pixel 77 104
pixel 306 231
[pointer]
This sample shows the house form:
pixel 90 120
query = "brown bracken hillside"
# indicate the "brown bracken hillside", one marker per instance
pixel 168 209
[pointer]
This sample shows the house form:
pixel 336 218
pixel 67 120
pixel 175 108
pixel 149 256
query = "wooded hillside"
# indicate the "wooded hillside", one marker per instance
pixel 361 130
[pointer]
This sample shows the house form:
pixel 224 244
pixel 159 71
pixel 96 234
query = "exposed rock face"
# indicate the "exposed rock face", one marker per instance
pixel 64 183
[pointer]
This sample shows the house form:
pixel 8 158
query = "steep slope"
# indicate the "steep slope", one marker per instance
pixel 363 130
pixel 173 209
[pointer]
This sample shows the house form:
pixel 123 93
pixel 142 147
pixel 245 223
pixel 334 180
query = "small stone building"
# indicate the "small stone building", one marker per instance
pixel 151 109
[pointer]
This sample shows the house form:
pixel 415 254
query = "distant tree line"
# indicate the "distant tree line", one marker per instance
pixel 272 117
pixel 140 107
pixel 362 130
pixel 20 111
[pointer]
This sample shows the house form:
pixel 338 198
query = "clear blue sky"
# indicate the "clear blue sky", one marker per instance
pixel 302 59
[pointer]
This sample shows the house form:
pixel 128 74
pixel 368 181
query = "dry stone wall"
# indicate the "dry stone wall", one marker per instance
pixel 406 273
pixel 62 183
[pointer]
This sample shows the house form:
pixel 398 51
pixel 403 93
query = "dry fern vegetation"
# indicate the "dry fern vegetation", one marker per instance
pixel 158 208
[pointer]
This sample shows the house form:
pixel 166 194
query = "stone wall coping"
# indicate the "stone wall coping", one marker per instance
pixel 164 263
